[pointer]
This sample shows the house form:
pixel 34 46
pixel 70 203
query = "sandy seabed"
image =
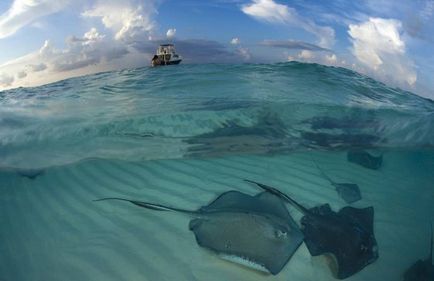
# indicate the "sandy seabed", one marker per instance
pixel 52 230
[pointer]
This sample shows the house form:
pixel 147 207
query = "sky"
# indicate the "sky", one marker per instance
pixel 42 41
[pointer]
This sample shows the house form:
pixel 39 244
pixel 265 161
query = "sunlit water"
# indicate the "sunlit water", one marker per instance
pixel 183 135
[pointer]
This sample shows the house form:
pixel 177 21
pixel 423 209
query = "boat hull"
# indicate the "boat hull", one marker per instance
pixel 158 63
pixel 172 62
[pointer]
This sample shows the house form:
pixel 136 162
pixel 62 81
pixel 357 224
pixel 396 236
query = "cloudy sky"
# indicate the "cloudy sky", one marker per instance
pixel 42 41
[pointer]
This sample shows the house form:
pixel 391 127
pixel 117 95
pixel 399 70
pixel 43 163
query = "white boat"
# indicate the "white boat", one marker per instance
pixel 166 55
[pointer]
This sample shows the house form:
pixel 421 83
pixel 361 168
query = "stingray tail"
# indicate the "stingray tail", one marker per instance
pixel 147 205
pixel 323 174
pixel 280 194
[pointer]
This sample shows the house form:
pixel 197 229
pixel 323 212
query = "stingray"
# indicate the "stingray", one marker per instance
pixel 268 125
pixel 350 192
pixel 254 231
pixel 266 135
pixel 364 159
pixel 345 237
pixel 30 173
pixel 422 270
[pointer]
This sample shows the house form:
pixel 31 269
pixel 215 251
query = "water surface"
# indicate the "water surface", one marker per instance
pixel 183 135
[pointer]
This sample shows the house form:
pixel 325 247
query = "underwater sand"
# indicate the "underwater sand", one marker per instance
pixel 51 229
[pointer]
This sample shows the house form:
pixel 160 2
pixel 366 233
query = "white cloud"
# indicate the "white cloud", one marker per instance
pixel 24 12
pixel 270 11
pixel 88 38
pixel 306 55
pixel 6 80
pixel 240 51
pixel 331 59
pixel 90 49
pixel 235 41
pixel 39 25
pixel 21 74
pixel 46 50
pixel 125 23
pixel 315 57
pixel 171 33
pixel 37 67
pixel 128 20
pixel 244 53
pixel 377 44
pixel 92 52
pixel 92 35
pixel 374 37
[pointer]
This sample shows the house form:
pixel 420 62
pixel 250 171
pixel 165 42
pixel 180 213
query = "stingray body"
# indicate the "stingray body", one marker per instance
pixel 422 270
pixel 255 231
pixel 346 237
pixel 350 192
pixel 364 159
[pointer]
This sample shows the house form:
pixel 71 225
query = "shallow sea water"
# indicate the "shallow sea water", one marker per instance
pixel 183 141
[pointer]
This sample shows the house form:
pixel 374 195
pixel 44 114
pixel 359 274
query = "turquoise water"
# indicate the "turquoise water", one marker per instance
pixel 181 136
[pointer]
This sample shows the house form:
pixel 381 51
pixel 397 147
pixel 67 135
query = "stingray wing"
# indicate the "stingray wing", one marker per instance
pixel 230 200
pixel 347 236
pixel 363 217
pixel 260 242
pixel 359 249
pixel 262 203
pixel 319 236
pixel 272 204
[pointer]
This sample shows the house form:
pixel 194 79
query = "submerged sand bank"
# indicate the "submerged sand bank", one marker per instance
pixel 51 230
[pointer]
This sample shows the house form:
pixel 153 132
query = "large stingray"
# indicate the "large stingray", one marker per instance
pixel 350 192
pixel 255 231
pixel 422 270
pixel 347 237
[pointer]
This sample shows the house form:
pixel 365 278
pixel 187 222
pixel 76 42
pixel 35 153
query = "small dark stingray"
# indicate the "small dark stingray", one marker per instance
pixel 422 270
pixel 255 231
pixel 364 159
pixel 346 237
pixel 350 192
pixel 30 173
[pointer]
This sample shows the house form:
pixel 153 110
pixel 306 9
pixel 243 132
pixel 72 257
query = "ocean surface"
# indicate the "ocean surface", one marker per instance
pixel 181 136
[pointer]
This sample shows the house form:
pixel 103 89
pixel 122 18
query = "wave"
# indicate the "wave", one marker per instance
pixel 207 110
